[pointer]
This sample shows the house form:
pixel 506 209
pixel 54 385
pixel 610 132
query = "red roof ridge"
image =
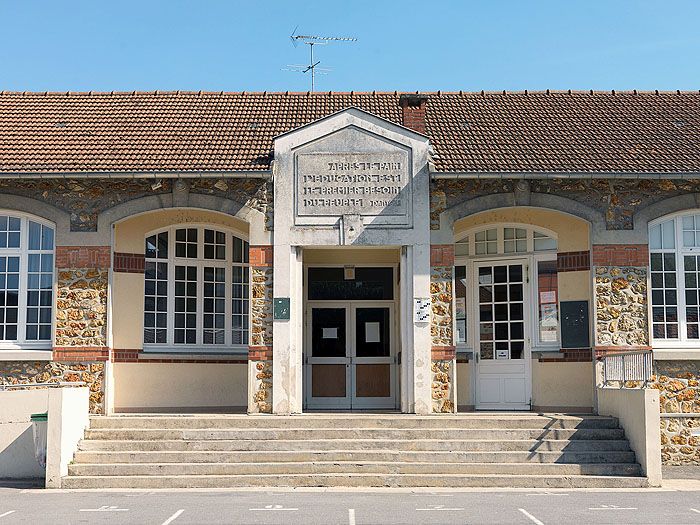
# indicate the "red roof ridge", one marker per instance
pixel 438 93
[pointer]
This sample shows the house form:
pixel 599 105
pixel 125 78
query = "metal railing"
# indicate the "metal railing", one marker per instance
pixel 628 366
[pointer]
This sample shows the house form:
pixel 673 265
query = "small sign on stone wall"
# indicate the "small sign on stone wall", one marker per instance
pixel 421 309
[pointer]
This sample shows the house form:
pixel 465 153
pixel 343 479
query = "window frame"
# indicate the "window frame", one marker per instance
pixel 22 348
pixel 531 256
pixel 228 347
pixel 679 251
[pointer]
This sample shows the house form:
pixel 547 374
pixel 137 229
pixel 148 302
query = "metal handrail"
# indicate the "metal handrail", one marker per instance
pixel 628 366
pixel 43 385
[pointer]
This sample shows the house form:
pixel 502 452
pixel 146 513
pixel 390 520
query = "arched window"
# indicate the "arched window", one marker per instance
pixel 674 246
pixel 502 242
pixel 197 287
pixel 505 240
pixel 26 281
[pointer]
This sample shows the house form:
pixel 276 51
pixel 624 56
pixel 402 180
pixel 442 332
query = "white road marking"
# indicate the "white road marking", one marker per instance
pixel 611 507
pixel 531 517
pixel 11 511
pixel 274 507
pixel 694 510
pixel 441 507
pixel 173 517
pixel 549 494
pixel 105 508
pixel 351 516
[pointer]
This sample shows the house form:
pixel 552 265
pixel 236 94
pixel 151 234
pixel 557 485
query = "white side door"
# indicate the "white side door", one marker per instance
pixel 502 346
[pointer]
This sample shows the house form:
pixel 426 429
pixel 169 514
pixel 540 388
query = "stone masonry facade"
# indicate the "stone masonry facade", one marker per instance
pixel 678 383
pixel 441 330
pixel 33 372
pixel 621 318
pixel 260 351
pixel 81 307
pixel 617 199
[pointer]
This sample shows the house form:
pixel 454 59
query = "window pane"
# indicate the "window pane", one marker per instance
pixel 547 294
pixel 214 311
pixel 461 303
pixel 9 291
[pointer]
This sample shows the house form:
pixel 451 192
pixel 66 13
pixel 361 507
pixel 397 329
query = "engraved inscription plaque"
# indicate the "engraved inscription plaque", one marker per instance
pixel 365 184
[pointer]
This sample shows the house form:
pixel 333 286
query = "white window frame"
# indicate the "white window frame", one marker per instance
pixel 21 348
pixel 682 342
pixel 532 257
pixel 200 263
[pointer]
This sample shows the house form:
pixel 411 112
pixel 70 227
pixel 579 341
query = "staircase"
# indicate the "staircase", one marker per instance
pixel 338 450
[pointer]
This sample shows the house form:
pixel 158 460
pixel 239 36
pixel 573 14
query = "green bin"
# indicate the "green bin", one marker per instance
pixel 40 423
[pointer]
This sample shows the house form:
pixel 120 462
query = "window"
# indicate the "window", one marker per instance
pixel 197 288
pixel 509 239
pixel 474 320
pixel 674 246
pixel 26 281
pixel 547 302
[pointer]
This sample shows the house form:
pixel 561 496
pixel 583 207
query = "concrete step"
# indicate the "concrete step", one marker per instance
pixel 355 421
pixel 357 433
pixel 353 480
pixel 351 467
pixel 252 456
pixel 315 444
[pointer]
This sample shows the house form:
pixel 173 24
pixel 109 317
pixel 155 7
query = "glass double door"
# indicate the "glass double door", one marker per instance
pixel 350 359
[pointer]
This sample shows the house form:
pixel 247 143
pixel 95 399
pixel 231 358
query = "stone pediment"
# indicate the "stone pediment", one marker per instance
pixel 350 164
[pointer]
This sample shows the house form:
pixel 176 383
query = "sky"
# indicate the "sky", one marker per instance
pixel 427 45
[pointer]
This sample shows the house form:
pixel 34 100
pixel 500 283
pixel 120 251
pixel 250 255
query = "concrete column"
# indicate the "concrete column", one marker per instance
pixel 421 358
pixel 287 369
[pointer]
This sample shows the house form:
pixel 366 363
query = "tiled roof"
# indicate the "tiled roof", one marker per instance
pixel 470 132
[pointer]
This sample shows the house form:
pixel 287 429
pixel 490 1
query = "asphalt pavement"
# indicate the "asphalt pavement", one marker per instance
pixel 350 507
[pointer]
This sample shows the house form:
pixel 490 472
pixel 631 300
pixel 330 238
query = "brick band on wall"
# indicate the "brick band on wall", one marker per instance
pixel 129 262
pixel 568 355
pixel 442 255
pixel 573 261
pixel 259 353
pixel 80 353
pixel 83 257
pixel 261 256
pixel 443 353
pixel 620 255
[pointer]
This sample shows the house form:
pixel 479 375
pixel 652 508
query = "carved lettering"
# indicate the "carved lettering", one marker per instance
pixel 368 184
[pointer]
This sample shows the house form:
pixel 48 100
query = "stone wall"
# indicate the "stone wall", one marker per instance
pixel 621 317
pixel 617 199
pixel 261 306
pixel 678 383
pixel 262 387
pixel 85 199
pixel 81 307
pixel 32 372
pixel 442 391
pixel 441 305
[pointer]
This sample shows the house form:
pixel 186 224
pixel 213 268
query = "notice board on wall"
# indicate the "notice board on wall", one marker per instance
pixel 575 325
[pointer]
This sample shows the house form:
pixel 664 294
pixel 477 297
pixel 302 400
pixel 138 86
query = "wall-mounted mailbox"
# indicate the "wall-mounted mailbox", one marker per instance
pixel 575 326
pixel 280 309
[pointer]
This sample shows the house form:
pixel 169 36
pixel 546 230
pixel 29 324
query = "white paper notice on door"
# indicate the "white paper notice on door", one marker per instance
pixel 330 333
pixel 372 333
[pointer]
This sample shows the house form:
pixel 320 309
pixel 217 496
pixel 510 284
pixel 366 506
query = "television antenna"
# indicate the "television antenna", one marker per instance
pixel 311 41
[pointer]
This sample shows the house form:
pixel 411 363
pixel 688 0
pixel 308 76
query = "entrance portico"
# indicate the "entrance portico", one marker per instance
pixel 352 180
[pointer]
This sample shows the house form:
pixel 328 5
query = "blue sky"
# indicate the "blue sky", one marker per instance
pixel 451 45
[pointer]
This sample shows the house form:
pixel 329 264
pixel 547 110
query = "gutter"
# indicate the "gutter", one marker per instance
pixel 435 175
pixel 262 174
